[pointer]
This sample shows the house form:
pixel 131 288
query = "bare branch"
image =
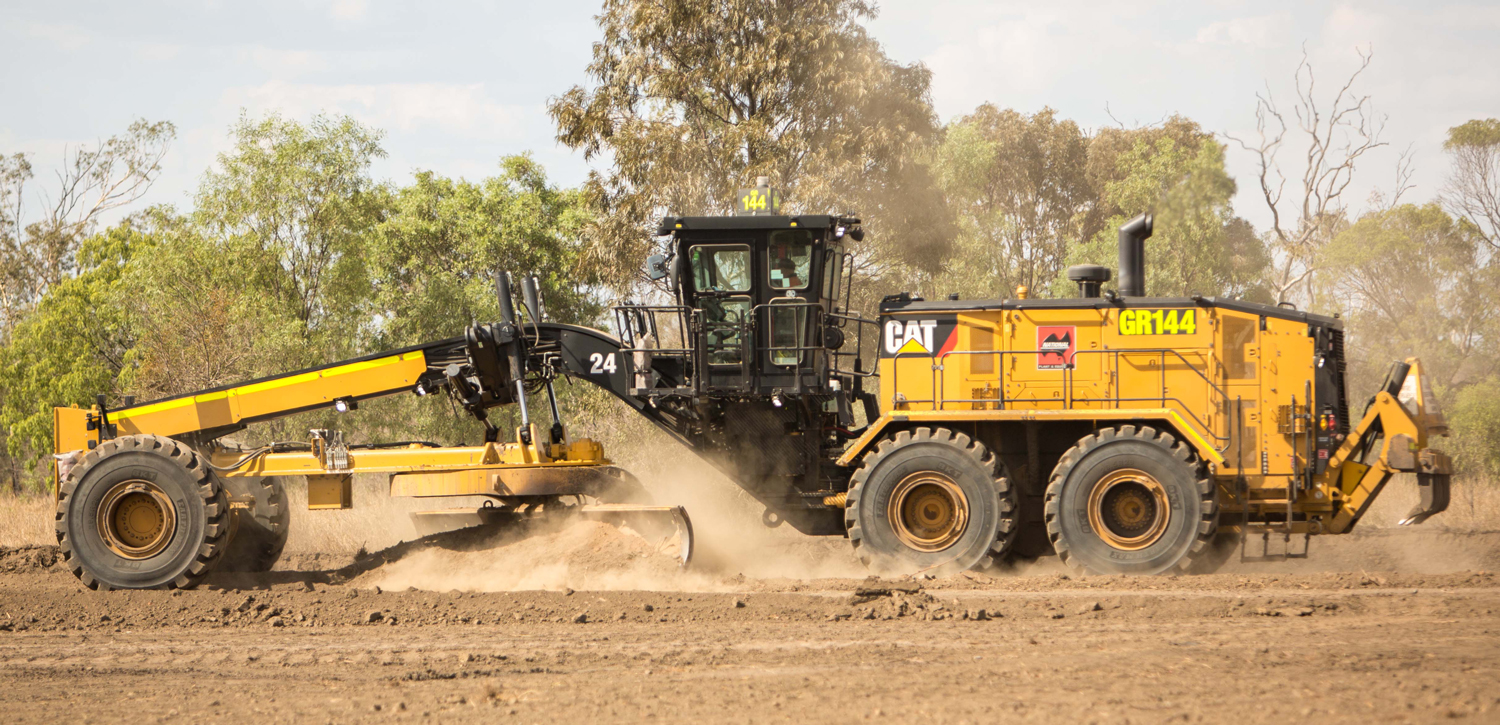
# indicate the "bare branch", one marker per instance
pixel 1337 136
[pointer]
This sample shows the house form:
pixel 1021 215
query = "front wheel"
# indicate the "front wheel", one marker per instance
pixel 1130 500
pixel 142 512
pixel 930 500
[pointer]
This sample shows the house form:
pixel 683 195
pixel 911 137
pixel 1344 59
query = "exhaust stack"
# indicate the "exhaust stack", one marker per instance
pixel 1133 236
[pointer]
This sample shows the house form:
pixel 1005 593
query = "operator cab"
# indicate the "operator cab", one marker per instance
pixel 759 303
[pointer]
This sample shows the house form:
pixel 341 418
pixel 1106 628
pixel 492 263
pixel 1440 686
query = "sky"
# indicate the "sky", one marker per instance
pixel 457 85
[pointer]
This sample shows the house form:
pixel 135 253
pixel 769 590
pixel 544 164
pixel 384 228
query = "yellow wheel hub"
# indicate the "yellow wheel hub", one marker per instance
pixel 136 519
pixel 1128 509
pixel 928 511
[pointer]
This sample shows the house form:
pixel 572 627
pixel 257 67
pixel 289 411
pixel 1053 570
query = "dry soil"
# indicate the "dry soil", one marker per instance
pixel 593 624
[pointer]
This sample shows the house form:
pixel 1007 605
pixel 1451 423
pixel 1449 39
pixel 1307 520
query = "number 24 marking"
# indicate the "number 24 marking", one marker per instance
pixel 603 363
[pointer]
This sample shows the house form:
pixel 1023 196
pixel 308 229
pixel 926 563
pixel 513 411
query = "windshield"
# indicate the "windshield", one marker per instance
pixel 790 254
pixel 721 268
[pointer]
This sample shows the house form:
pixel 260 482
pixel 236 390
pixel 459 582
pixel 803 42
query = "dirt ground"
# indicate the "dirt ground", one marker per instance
pixel 1391 626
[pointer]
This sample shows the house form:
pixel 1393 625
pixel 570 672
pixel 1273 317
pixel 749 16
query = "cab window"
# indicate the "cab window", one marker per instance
pixel 788 322
pixel 721 268
pixel 833 271
pixel 789 259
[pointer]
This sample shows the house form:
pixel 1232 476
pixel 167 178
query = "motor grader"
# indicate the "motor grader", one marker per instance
pixel 1125 433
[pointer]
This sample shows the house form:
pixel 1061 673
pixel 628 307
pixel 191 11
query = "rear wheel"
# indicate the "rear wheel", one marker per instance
pixel 142 512
pixel 1130 500
pixel 930 499
pixel 262 522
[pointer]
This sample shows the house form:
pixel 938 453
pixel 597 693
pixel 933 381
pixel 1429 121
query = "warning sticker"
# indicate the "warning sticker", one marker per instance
pixel 1055 346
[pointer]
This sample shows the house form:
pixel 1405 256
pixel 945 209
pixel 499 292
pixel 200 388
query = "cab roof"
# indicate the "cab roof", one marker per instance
pixel 672 224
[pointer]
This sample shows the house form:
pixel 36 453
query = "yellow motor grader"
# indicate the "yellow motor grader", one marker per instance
pixel 1125 433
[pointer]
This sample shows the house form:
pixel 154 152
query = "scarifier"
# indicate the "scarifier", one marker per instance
pixel 1127 434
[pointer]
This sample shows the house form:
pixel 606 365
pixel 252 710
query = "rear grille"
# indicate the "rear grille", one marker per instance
pixel 1337 337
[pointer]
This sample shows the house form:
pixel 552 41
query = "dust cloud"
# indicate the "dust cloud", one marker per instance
pixel 577 554
pixel 731 544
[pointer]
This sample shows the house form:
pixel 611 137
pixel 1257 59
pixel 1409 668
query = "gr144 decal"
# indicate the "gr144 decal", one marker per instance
pixel 1158 322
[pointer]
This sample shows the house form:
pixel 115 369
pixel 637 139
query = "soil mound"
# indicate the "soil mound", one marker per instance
pixel 578 555
pixel 28 559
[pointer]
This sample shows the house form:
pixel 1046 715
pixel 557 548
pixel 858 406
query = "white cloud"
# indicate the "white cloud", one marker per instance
pixel 1259 32
pixel 157 51
pixel 348 9
pixel 451 108
pixel 66 37
pixel 281 62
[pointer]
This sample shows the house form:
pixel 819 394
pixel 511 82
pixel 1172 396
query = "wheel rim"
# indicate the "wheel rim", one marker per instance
pixel 136 519
pixel 1128 509
pixel 928 511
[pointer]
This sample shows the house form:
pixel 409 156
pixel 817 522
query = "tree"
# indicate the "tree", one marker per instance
pixel 1199 246
pixel 1472 192
pixel 1020 190
pixel 434 257
pixel 693 100
pixel 290 206
pixel 1414 281
pixel 1337 135
pixel 39 253
pixel 1408 278
pixel 75 343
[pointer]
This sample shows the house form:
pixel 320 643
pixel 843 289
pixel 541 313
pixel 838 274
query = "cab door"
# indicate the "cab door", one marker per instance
pixel 721 298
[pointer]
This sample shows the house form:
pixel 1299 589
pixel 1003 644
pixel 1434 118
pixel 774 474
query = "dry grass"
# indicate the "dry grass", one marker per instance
pixel 26 520
pixel 1475 505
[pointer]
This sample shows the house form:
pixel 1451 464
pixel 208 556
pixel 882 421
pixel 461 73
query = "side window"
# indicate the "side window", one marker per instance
pixel 789 259
pixel 788 323
pixel 833 271
pixel 720 267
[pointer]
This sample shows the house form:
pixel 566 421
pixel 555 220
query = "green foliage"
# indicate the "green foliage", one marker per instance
pixel 73 345
pixel 694 100
pixel 1198 245
pixel 1474 417
pixel 433 262
pixel 1477 132
pixel 1413 280
pixel 291 206
pixel 1407 279
pixel 433 259
pixel 292 257
pixel 1019 188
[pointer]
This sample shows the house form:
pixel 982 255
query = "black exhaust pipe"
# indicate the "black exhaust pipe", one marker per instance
pixel 1133 235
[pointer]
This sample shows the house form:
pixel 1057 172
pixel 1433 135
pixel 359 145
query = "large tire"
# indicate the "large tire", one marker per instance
pixel 262 522
pixel 903 509
pixel 142 512
pixel 1130 500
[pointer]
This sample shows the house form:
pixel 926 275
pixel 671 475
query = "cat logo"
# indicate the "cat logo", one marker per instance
pixel 909 338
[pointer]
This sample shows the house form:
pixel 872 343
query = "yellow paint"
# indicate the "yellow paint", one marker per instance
pixel 330 491
pixel 1184 368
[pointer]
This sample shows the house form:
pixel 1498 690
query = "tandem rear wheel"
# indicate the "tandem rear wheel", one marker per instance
pixel 1130 500
pixel 142 512
pixel 930 499
pixel 260 525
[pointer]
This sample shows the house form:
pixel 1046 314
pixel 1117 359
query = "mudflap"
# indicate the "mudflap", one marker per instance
pixel 1434 488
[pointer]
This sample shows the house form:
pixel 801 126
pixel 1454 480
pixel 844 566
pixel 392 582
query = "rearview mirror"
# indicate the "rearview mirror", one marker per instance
pixel 656 267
